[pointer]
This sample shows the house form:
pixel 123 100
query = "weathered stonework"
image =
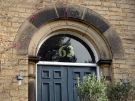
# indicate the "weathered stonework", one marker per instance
pixel 13 13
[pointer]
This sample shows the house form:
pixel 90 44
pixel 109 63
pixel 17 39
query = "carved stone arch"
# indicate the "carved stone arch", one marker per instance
pixel 82 31
pixel 75 13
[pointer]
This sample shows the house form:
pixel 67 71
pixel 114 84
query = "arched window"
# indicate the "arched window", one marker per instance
pixel 66 48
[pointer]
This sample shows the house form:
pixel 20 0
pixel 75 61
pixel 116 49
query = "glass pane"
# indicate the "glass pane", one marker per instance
pixel 65 48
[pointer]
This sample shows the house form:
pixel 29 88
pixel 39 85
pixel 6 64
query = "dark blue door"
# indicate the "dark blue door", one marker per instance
pixel 58 83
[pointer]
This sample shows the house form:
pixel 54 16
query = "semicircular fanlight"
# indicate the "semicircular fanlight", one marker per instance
pixel 66 48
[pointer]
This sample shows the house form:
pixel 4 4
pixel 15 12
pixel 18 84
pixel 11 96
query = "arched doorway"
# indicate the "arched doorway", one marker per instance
pixel 48 50
pixel 80 22
pixel 63 59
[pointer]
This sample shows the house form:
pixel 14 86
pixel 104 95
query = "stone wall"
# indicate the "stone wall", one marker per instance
pixel 119 13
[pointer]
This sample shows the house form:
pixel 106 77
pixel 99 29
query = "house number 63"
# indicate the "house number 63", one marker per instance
pixel 64 53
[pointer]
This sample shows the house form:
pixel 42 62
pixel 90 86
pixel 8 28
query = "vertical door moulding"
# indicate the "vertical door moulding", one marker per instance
pixel 31 84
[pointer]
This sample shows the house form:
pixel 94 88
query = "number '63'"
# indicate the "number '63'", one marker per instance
pixel 64 53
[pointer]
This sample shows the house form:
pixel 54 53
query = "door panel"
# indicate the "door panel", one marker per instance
pixel 58 83
pixel 73 74
pixel 46 91
pixel 51 83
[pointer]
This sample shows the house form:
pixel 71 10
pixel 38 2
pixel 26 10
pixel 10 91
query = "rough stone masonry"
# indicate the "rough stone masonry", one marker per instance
pixel 119 13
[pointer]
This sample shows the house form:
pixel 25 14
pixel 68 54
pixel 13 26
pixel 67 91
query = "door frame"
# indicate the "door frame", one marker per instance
pixel 66 64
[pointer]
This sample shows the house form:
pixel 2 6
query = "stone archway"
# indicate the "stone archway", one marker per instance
pixel 77 18
pixel 70 12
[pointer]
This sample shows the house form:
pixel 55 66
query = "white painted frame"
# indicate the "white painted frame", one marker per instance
pixel 66 63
